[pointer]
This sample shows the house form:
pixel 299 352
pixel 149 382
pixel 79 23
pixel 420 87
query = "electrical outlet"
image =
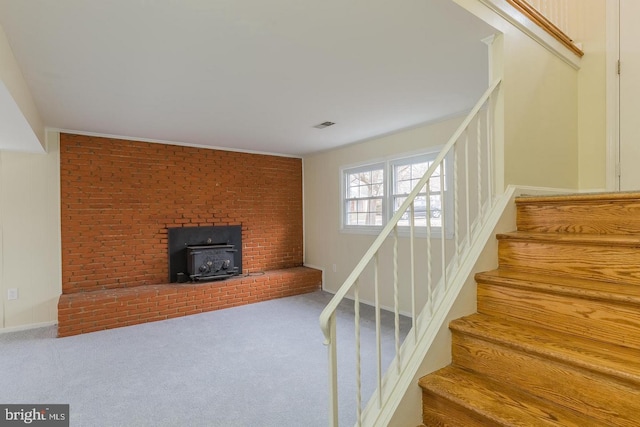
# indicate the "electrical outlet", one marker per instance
pixel 12 293
pixel 335 268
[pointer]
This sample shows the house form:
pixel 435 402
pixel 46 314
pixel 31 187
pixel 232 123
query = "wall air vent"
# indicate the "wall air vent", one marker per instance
pixel 324 125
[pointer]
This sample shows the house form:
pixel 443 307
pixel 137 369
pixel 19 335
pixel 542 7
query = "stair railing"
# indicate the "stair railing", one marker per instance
pixel 462 177
pixel 553 17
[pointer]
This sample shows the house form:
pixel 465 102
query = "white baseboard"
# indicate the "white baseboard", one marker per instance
pixel 27 327
pixel 314 267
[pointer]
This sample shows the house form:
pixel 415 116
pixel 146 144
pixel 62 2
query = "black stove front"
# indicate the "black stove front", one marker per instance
pixel 204 253
pixel 211 262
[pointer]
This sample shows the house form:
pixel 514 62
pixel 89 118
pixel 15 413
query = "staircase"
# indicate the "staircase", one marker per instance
pixel 556 340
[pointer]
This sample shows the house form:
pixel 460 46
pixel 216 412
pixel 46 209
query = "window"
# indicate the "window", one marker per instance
pixel 364 196
pixel 373 193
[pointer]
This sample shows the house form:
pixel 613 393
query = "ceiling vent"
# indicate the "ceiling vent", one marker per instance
pixel 324 125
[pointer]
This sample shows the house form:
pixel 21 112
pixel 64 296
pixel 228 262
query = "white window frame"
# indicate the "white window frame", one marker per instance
pixel 388 198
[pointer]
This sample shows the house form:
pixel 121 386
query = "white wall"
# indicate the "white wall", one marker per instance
pixel 29 204
pixel 30 256
pixel 16 99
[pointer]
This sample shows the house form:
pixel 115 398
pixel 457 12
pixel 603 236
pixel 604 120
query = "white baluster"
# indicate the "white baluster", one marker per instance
pixel 378 334
pixel 566 26
pixel 467 192
pixel 429 258
pixel 356 308
pixel 413 270
pixel 545 9
pixel 443 236
pixel 490 152
pixel 479 149
pixel 396 302
pixel 456 203
pixel 333 371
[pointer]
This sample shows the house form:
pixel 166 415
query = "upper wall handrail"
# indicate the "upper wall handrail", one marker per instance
pixel 543 22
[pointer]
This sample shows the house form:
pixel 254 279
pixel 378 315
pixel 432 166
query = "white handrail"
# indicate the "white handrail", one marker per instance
pixel 328 315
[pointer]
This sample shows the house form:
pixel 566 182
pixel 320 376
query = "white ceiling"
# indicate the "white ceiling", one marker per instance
pixel 247 74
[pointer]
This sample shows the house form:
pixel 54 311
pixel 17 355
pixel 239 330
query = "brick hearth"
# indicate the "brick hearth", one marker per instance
pixel 83 312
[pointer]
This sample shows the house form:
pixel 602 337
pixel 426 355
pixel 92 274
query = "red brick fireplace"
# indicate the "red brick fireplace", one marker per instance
pixel 119 198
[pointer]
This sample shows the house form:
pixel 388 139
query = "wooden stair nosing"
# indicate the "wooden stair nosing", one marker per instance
pixel 621 240
pixel 563 285
pixel 618 362
pixel 578 197
pixel 498 403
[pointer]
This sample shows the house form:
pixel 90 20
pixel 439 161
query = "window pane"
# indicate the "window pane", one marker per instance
pixel 420 211
pixel 377 189
pixel 434 182
pixel 419 169
pixel 405 177
pixel 397 201
pixel 364 191
pixel 365 184
pixel 403 187
pixel 364 212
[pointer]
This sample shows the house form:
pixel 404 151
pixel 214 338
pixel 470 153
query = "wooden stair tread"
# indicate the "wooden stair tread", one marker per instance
pixel 565 285
pixel 608 359
pixel 499 403
pixel 627 240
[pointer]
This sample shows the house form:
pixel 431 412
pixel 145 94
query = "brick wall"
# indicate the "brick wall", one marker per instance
pixel 119 197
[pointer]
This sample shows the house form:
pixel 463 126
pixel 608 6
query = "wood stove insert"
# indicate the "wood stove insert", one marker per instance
pixel 204 253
